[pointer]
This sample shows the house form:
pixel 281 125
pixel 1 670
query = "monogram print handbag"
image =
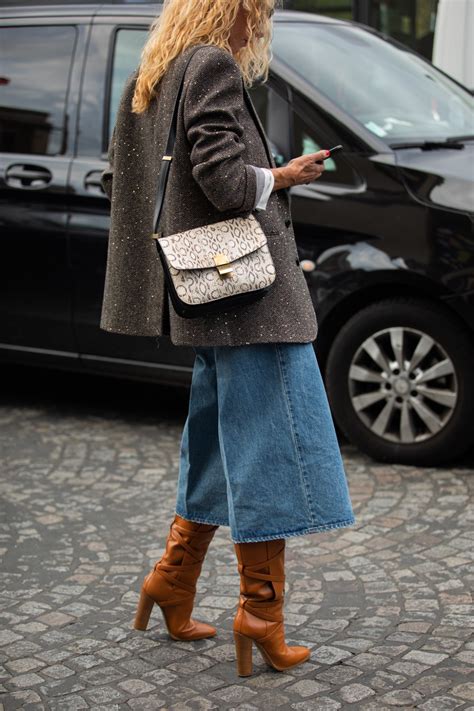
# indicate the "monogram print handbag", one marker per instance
pixel 214 267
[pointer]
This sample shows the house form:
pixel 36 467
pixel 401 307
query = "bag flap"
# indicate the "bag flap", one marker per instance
pixel 195 249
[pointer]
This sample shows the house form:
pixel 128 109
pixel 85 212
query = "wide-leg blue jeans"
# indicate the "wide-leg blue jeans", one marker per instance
pixel 259 451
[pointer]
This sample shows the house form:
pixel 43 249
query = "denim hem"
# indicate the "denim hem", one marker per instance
pixel 274 536
pixel 303 532
pixel 199 519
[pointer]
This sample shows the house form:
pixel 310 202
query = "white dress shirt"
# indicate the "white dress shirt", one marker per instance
pixel 265 183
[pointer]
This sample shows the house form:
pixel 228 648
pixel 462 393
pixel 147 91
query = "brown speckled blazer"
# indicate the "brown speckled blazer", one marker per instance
pixel 218 137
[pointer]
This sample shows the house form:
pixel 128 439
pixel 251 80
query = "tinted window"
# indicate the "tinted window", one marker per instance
pixel 307 140
pixel 127 50
pixel 35 64
pixel 273 113
pixel 391 91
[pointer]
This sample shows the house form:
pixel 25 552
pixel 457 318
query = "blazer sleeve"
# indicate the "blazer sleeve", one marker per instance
pixel 212 101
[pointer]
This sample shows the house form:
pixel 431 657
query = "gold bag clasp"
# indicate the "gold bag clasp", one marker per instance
pixel 221 261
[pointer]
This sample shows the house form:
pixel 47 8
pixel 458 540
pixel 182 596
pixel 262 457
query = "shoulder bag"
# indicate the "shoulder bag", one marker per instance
pixel 215 267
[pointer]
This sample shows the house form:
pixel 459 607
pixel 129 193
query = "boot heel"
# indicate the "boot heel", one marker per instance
pixel 145 606
pixel 243 650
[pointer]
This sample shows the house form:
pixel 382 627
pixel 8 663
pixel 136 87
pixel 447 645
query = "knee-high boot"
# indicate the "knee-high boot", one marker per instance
pixel 172 582
pixel 259 617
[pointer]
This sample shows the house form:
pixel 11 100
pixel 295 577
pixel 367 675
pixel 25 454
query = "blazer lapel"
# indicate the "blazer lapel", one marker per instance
pixel 261 130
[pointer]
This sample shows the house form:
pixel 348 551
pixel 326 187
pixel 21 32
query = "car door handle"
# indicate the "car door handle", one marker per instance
pixel 92 181
pixel 26 175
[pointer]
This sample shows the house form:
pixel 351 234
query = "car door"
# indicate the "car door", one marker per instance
pixel 37 123
pixel 114 53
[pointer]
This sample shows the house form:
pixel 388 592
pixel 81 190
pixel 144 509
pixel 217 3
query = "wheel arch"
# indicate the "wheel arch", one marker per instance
pixel 337 316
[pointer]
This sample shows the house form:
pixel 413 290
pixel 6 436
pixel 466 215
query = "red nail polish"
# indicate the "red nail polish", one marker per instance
pixel 327 153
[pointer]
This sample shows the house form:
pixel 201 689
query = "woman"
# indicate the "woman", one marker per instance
pixel 258 452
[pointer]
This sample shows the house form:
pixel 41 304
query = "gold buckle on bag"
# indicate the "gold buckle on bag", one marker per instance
pixel 221 261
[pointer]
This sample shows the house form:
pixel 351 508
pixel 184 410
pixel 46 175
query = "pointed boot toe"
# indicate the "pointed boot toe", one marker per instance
pixel 184 627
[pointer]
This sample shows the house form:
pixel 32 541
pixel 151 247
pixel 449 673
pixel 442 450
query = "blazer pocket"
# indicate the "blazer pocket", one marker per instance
pixel 268 224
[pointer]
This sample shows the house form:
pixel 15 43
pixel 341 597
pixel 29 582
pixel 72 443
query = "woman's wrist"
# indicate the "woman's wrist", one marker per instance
pixel 282 178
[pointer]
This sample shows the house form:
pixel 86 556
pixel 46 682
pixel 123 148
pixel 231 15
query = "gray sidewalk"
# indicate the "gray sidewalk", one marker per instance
pixel 87 494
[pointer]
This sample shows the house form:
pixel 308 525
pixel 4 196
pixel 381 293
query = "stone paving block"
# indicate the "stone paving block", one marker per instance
pixel 322 703
pixel 464 691
pixel 352 693
pixel 197 702
pixel 160 677
pixel 270 680
pixel 206 682
pixel 103 695
pixel 330 655
pixel 408 668
pixel 428 658
pixel 193 665
pixel 23 665
pixel 266 701
pixel 401 697
pixel 234 693
pixel 146 703
pixel 56 619
pixel 306 687
pixel 339 675
pixel 368 661
pixel 8 636
pixel 429 684
pixel 135 687
pixel 385 681
pixel 222 652
pixel 24 681
pixel 54 688
pixel 74 702
pixel 440 703
pixel 20 699
pixel 137 667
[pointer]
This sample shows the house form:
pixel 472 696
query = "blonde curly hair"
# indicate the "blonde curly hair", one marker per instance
pixel 183 23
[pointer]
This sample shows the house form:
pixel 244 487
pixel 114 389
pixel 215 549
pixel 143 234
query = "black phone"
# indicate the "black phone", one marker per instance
pixel 335 148
pixel 339 147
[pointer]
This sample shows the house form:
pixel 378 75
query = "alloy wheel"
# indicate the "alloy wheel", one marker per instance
pixel 403 385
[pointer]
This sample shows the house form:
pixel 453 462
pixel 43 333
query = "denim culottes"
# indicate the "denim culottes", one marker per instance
pixel 259 451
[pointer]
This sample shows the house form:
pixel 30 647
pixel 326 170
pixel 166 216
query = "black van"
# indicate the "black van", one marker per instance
pixel 385 236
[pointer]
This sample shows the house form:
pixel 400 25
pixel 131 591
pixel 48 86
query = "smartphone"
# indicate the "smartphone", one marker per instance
pixel 332 150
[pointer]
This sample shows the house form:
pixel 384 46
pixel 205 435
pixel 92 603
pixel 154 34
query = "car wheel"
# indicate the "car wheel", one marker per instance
pixel 400 381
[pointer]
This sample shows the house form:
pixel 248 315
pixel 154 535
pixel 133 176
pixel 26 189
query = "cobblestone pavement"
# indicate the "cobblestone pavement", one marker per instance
pixel 88 483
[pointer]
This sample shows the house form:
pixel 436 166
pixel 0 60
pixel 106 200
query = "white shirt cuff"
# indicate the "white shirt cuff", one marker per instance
pixel 265 183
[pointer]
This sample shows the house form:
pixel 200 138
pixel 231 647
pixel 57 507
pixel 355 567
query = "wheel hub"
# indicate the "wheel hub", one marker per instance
pixel 403 385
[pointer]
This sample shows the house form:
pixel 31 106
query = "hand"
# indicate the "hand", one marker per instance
pixel 301 170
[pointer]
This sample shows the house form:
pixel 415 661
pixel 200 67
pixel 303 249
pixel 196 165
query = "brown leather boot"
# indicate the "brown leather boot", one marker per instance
pixel 172 582
pixel 259 616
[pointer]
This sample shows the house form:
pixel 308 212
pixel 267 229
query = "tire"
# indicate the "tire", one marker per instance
pixel 386 410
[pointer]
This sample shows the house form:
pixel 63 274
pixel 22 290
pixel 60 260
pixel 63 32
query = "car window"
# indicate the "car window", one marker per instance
pixel 309 140
pixel 391 91
pixel 273 112
pixel 127 49
pixel 35 64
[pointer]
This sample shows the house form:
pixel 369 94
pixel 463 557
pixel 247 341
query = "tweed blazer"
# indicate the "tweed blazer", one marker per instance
pixel 218 137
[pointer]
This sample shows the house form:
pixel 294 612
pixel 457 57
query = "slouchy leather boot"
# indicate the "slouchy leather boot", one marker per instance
pixel 259 617
pixel 172 582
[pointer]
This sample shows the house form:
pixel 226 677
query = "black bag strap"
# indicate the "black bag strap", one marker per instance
pixel 168 156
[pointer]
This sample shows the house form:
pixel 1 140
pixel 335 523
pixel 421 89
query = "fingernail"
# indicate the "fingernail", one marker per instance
pixel 327 153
